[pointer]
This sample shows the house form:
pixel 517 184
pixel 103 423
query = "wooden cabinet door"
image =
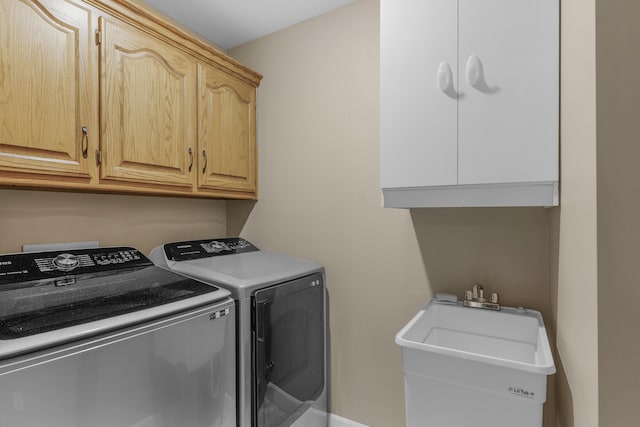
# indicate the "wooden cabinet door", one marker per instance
pixel 148 108
pixel 418 92
pixel 45 88
pixel 508 116
pixel 226 132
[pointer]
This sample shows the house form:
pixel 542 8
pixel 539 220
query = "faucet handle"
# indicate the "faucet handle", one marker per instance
pixel 468 295
pixel 494 298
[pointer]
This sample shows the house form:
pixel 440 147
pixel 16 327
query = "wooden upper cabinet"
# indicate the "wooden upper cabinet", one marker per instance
pixel 45 91
pixel 148 108
pixel 107 96
pixel 226 124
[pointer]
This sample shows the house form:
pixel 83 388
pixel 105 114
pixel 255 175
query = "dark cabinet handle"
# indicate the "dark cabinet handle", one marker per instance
pixel 85 142
pixel 190 151
pixel 204 155
pixel 269 371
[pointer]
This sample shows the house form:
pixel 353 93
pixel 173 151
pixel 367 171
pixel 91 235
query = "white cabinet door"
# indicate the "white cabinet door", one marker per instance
pixel 508 106
pixel 469 102
pixel 418 128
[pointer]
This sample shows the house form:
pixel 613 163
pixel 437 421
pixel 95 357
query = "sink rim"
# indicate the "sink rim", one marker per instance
pixel 544 361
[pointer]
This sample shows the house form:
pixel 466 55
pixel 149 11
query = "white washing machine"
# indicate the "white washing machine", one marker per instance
pixel 281 326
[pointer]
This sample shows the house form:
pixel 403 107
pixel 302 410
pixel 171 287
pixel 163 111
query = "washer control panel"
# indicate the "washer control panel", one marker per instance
pixel 43 265
pixel 119 257
pixel 183 251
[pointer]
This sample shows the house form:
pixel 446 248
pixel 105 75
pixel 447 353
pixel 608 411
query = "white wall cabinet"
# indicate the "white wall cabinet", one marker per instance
pixel 469 102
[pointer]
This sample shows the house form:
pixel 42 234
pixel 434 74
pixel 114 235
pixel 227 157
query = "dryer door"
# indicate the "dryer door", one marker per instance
pixel 288 350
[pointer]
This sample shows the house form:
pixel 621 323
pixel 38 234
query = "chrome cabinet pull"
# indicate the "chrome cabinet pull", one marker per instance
pixel 85 142
pixel 190 151
pixel 204 155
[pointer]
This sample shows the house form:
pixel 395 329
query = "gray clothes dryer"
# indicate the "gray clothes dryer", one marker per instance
pixel 281 326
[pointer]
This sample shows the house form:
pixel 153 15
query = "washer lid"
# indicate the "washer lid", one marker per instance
pixel 242 269
pixel 42 292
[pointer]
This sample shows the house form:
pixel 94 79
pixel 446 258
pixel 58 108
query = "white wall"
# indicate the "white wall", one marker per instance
pixel 319 198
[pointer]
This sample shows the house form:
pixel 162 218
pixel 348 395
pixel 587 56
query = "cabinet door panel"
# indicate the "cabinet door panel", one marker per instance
pixel 44 87
pixel 148 108
pixel 508 119
pixel 226 132
pixel 418 128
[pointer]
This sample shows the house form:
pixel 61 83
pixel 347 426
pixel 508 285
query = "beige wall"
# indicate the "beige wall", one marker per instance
pixel 141 222
pixel 318 141
pixel 320 198
pixel 618 83
pixel 574 261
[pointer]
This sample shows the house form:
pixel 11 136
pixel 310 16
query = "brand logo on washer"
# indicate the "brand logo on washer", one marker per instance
pixel 215 247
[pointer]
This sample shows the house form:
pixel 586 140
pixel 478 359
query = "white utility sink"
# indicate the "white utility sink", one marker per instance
pixel 468 366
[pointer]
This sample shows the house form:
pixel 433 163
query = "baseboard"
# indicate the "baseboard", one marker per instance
pixel 338 421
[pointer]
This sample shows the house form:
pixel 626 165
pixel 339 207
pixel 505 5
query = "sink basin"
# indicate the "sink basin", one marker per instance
pixel 467 366
pixel 510 337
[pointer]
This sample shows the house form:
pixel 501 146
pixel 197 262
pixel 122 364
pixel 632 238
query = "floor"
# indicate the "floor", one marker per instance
pixel 338 421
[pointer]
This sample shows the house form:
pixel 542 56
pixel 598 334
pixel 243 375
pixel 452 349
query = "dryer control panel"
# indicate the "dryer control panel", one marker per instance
pixel 184 251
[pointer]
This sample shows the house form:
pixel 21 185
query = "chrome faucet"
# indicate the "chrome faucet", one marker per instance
pixel 475 298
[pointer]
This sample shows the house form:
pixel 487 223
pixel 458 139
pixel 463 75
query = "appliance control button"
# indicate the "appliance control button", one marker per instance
pixel 66 262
